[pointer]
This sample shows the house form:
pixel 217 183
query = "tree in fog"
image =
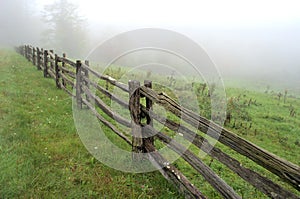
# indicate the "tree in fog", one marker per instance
pixel 19 23
pixel 65 28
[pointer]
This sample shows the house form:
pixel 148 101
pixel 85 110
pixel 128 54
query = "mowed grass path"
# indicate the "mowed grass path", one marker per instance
pixel 41 155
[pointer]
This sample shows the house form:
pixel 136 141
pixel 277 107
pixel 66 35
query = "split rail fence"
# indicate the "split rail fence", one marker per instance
pixel 69 74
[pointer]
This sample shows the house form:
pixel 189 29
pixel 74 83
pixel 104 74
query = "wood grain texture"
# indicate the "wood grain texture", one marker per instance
pixel 105 108
pixel 105 122
pixel 262 183
pixel 287 171
pixel 111 80
pixel 172 173
pixel 135 114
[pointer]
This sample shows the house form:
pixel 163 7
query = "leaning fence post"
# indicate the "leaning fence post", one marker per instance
pixel 149 104
pixel 78 84
pixel 56 72
pixel 45 63
pixel 135 113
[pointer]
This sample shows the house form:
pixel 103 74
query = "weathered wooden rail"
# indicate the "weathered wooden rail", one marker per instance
pixel 71 75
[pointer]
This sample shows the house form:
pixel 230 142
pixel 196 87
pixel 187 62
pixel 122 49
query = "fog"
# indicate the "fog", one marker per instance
pixel 19 23
pixel 258 41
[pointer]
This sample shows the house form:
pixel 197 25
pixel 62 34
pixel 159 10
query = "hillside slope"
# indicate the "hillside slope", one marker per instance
pixel 41 156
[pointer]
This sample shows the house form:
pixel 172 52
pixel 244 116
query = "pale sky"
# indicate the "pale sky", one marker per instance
pixel 242 37
pixel 193 13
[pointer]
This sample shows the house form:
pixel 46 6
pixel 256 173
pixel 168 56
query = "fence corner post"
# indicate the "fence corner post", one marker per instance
pixel 135 113
pixel 78 84
pixel 45 63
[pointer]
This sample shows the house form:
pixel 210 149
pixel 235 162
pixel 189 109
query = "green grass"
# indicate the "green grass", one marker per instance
pixel 41 155
pixel 272 126
pixel 264 120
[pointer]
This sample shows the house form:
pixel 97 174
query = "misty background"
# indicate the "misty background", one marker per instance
pixel 255 41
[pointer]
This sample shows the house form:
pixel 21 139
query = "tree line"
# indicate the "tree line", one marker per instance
pixel 57 24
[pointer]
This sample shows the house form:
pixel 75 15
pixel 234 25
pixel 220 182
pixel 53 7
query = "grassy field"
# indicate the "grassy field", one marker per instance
pixel 41 155
pixel 265 121
pixel 272 125
pixel 258 114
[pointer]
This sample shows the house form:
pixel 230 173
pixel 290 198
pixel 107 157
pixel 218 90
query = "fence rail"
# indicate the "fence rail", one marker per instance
pixel 70 75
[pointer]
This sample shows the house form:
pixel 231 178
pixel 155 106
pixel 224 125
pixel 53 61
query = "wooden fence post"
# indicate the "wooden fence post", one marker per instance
pixel 45 63
pixel 38 58
pixel 78 84
pixel 62 71
pixel 51 61
pixel 86 74
pixel 26 52
pixel 56 72
pixel 30 53
pixel 149 104
pixel 33 56
pixel 135 113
